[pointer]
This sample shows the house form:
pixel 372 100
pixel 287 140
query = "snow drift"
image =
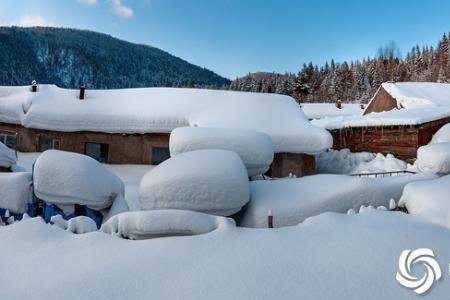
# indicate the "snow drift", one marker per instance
pixel 293 200
pixel 7 156
pixel 15 191
pixel 66 178
pixel 433 158
pixel 160 110
pixel 442 135
pixel 211 181
pixel 254 148
pixel 141 225
pixel 429 200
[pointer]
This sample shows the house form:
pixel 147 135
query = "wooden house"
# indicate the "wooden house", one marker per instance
pixel 399 119
pixel 132 126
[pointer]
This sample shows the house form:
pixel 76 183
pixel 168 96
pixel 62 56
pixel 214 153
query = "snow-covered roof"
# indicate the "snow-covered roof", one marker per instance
pixel 417 103
pixel 411 95
pixel 160 110
pixel 322 110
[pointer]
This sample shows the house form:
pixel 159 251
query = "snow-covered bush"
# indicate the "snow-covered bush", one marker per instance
pixel 7 156
pixel 66 178
pixel 381 163
pixel 255 148
pixel 139 225
pixel 429 200
pixel 211 181
pixel 15 191
pixel 346 162
pixel 291 201
pixel 434 158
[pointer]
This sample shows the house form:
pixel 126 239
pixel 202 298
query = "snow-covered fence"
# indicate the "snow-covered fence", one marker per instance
pixel 382 174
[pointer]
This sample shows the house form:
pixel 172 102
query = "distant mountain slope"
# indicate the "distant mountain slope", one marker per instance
pixel 69 58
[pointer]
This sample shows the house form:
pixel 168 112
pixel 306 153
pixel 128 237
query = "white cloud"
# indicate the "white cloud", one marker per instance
pixel 88 2
pixel 121 10
pixel 34 21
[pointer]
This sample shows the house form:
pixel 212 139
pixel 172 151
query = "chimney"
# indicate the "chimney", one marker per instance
pixel 34 86
pixel 82 92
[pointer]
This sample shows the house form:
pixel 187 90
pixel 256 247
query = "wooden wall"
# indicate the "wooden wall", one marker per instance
pixel 137 148
pixel 123 148
pixel 382 101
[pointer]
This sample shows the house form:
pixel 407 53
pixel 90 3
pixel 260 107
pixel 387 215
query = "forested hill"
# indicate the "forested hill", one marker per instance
pixel 69 58
pixel 355 80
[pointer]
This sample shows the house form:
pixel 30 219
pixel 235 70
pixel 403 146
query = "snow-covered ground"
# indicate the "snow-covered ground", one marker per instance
pixel 332 256
pixel 315 251
pixel 291 201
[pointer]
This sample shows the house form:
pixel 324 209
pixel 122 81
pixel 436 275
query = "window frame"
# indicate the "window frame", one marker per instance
pixel 51 142
pixel 159 148
pixel 4 135
pixel 104 149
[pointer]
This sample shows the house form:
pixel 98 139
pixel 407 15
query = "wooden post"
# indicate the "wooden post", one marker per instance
pixel 269 219
pixel 82 92
pixel 34 86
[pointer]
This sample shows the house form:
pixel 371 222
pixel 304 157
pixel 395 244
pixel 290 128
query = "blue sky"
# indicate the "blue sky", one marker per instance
pixel 234 37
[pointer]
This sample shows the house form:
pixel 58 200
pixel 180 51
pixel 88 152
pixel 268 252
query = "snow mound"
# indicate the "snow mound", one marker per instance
pixel 141 225
pixel 15 191
pixel 341 161
pixel 291 201
pixel 68 178
pixel 7 156
pixel 160 110
pixel 442 135
pixel 211 181
pixel 381 164
pixel 429 200
pixel 346 162
pixel 433 158
pixel 77 225
pixel 254 148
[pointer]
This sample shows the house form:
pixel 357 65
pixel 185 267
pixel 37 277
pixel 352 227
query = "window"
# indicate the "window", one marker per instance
pixel 159 154
pixel 97 151
pixel 48 143
pixel 9 139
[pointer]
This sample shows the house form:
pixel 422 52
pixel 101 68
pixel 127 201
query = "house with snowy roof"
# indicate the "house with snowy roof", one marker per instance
pixel 132 126
pixel 400 118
